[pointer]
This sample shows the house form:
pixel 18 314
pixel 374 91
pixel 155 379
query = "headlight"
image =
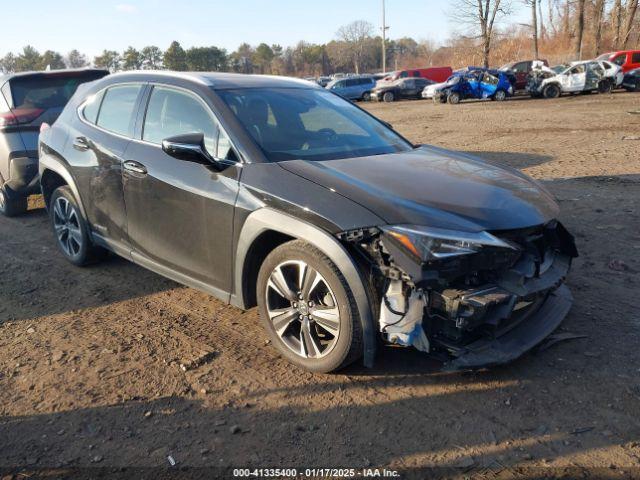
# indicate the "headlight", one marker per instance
pixel 433 244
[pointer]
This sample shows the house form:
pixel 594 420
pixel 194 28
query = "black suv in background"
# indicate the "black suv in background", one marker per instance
pixel 275 192
pixel 27 100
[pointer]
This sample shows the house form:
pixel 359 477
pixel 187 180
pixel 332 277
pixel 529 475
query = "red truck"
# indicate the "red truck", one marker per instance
pixel 627 59
pixel 437 74
pixel 520 70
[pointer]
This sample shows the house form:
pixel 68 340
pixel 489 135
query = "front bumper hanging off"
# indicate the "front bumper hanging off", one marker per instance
pixel 501 308
pixel 488 352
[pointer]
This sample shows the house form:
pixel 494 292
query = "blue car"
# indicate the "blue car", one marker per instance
pixel 353 88
pixel 476 83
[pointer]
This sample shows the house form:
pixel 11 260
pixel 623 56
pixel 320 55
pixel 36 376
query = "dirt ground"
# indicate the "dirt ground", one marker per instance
pixel 112 367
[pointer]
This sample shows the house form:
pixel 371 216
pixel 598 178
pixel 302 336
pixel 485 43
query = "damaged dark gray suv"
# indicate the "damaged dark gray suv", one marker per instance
pixel 274 192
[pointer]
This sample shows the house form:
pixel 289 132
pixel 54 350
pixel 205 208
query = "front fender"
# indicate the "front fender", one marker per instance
pixel 266 219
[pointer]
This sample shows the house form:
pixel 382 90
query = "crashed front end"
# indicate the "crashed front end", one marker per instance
pixel 536 81
pixel 472 299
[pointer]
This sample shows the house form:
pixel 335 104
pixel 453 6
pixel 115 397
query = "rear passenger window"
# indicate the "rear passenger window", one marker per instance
pixel 522 67
pixel 118 105
pixel 635 58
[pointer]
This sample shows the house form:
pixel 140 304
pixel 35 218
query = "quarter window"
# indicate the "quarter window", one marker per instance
pixel 635 58
pixel 92 106
pixel 118 105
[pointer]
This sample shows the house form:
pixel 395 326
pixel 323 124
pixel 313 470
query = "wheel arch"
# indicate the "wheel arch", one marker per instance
pixel 49 181
pixel 52 171
pixel 264 230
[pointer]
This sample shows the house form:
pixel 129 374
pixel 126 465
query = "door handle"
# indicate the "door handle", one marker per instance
pixel 81 143
pixel 135 167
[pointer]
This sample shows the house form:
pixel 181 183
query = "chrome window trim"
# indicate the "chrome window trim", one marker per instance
pixel 79 110
pixel 240 162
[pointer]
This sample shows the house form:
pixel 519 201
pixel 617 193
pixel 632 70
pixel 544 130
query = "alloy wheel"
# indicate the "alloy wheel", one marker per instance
pixel 302 309
pixel 66 223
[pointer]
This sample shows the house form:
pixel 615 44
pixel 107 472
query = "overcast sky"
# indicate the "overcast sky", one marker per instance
pixel 91 26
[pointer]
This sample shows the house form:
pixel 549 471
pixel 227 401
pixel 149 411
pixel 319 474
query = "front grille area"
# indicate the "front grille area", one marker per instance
pixel 457 316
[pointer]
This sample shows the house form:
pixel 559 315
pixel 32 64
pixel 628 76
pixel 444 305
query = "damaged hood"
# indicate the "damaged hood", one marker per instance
pixel 434 187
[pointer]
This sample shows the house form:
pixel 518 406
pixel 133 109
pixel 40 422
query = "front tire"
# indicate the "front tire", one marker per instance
pixel 307 308
pixel 551 91
pixel 605 86
pixel 71 229
pixel 12 207
pixel 388 97
pixel 366 97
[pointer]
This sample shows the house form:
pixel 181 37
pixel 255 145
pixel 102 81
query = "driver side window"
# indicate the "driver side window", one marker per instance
pixel 173 112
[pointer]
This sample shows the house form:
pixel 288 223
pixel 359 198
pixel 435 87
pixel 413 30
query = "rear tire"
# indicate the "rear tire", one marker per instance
pixel 500 96
pixel 366 96
pixel 551 91
pixel 71 229
pixel 316 345
pixel 12 207
pixel 388 97
pixel 453 98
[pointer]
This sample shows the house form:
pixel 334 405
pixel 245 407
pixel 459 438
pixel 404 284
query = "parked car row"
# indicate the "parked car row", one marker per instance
pixel 535 77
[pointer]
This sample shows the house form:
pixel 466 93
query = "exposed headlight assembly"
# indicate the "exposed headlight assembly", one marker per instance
pixel 436 244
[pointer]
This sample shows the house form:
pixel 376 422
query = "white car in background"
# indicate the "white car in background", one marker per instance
pixel 611 71
pixel 586 76
pixel 430 90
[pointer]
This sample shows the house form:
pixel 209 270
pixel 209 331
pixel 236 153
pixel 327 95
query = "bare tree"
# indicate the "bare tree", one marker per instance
pixel 579 28
pixel 566 17
pixel 534 26
pixel 616 15
pixel 356 35
pixel 480 16
pixel 598 9
pixel 631 10
pixel 543 30
pixel 552 25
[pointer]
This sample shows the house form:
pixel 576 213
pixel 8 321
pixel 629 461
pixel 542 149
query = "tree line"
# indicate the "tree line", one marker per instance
pixel 559 30
pixel 357 50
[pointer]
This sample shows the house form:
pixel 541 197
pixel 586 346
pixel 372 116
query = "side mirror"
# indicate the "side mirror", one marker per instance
pixel 189 147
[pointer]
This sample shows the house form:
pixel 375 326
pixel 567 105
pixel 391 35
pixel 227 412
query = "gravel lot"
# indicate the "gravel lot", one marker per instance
pixel 113 366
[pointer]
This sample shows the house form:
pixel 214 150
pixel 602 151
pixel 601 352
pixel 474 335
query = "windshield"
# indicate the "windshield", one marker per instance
pixel 309 124
pixel 559 68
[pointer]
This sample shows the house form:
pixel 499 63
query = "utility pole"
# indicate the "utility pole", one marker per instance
pixel 384 39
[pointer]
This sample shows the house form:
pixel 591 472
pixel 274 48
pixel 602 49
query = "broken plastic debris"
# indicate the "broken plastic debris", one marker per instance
pixel 400 323
pixel 559 337
pixel 172 461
